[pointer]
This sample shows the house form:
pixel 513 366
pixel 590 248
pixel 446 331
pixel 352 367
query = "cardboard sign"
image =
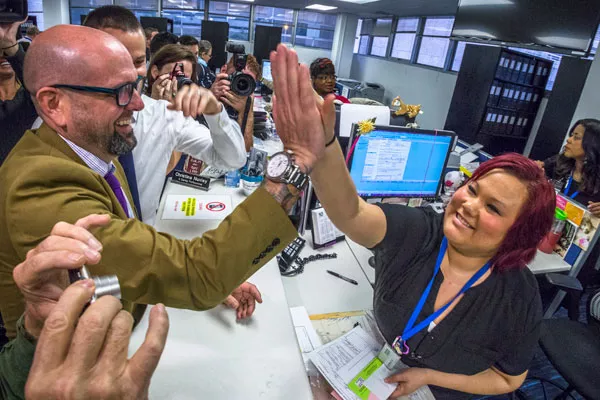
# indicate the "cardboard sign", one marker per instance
pixel 197 207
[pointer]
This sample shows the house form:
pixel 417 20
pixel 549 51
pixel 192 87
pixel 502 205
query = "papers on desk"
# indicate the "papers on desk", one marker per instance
pixel 197 207
pixel 308 340
pixel 323 230
pixel 352 367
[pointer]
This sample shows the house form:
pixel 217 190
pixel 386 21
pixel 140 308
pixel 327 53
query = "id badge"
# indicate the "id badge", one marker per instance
pixel 389 357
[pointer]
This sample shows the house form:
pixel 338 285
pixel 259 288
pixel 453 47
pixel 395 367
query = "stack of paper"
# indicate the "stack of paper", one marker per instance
pixel 352 366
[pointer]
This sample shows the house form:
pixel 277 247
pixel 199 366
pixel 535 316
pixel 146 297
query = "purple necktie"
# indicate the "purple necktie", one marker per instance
pixel 116 187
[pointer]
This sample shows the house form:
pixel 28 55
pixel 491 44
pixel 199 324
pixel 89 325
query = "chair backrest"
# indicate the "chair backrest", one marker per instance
pixel 594 306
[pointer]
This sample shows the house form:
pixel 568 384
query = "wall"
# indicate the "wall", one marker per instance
pixel 56 12
pixel 416 85
pixel 343 44
pixel 590 96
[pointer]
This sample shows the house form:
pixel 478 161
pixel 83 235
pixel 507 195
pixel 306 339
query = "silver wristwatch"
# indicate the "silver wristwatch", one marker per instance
pixel 281 169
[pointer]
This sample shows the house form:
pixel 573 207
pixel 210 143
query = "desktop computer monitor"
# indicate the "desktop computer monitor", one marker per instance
pixel 266 70
pixel 395 161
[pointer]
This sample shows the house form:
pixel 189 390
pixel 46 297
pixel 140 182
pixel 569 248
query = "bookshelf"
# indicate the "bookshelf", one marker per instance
pixel 497 97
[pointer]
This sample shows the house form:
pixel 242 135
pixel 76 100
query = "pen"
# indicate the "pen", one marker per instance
pixel 352 281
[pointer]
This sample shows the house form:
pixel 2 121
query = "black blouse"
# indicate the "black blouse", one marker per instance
pixel 496 323
pixel 560 182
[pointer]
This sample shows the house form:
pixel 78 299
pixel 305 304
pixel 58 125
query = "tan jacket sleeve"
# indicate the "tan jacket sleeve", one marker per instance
pixel 152 267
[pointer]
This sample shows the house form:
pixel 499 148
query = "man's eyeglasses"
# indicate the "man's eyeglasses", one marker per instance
pixel 326 77
pixel 123 94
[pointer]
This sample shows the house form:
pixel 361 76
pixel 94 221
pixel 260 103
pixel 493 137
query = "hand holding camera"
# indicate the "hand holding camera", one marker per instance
pixel 83 354
pixel 43 277
pixel 8 37
pixel 194 100
pixel 164 88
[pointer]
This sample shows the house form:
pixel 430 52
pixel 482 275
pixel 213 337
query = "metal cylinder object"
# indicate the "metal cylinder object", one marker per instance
pixel 105 284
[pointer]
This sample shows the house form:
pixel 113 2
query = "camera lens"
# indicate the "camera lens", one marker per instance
pixel 243 84
pixel 182 81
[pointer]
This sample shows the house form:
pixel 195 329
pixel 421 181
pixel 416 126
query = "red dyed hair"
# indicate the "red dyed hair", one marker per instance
pixel 536 216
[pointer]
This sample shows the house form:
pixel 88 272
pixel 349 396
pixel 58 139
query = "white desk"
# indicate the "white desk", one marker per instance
pixel 320 292
pixel 546 263
pixel 542 263
pixel 209 355
pixel 362 255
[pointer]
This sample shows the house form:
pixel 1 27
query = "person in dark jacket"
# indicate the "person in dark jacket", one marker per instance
pixel 17 112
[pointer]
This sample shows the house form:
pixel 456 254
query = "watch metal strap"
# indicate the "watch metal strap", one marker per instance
pixel 296 177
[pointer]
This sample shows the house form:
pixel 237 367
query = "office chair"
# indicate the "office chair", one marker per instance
pixel 573 348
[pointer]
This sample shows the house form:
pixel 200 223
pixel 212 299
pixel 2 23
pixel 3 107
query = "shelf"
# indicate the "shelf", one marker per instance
pixel 512 110
pixel 543 88
pixel 503 135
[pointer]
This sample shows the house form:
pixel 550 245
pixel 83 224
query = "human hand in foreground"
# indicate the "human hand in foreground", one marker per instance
pixel 84 356
pixel 43 275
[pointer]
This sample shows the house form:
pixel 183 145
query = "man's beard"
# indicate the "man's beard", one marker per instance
pixel 119 145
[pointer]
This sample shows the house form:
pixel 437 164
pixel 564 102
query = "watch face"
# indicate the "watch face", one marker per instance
pixel 277 165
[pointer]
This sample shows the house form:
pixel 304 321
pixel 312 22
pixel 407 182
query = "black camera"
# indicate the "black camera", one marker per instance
pixel 178 74
pixel 13 10
pixel 241 84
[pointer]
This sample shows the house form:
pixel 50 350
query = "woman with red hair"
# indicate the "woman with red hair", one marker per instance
pixel 453 297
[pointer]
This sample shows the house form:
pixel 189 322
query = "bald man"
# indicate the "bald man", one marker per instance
pixel 67 169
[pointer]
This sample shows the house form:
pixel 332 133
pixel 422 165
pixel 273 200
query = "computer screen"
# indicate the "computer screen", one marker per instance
pixel 266 70
pixel 395 161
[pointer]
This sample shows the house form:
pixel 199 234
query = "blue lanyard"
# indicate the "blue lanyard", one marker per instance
pixel 410 330
pixel 566 191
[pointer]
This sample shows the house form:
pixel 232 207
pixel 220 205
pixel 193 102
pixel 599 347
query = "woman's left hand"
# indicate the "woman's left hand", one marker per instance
pixel 594 208
pixel 408 381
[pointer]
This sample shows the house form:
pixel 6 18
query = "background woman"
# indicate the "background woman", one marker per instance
pixel 322 73
pixel 161 87
pixel 205 76
pixel 576 171
pixel 478 342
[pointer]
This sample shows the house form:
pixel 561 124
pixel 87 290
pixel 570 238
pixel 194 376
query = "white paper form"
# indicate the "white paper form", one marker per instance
pixel 197 207
pixel 341 360
pixel 307 336
pixel 388 165
pixel 352 360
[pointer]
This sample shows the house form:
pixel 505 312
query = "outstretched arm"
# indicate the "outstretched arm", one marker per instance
pixel 301 118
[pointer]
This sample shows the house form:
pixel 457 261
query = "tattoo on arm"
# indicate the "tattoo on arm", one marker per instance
pixel 286 195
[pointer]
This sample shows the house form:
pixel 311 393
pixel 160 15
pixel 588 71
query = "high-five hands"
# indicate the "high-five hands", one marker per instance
pixel 297 113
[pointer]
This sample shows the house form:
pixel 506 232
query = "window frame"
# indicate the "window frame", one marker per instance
pixel 449 50
pixel 416 42
pixel 162 6
pixel 249 18
pixel 156 11
pixel 291 25
pixel 297 26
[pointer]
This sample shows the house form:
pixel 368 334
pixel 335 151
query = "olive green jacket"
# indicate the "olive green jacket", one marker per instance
pixel 43 181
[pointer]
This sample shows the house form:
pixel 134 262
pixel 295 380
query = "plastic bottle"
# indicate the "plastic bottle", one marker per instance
pixel 547 244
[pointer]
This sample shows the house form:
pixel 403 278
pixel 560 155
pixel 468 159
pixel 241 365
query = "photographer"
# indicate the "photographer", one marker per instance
pixel 160 129
pixel 74 357
pixel 237 99
pixel 17 111
pixel 162 81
